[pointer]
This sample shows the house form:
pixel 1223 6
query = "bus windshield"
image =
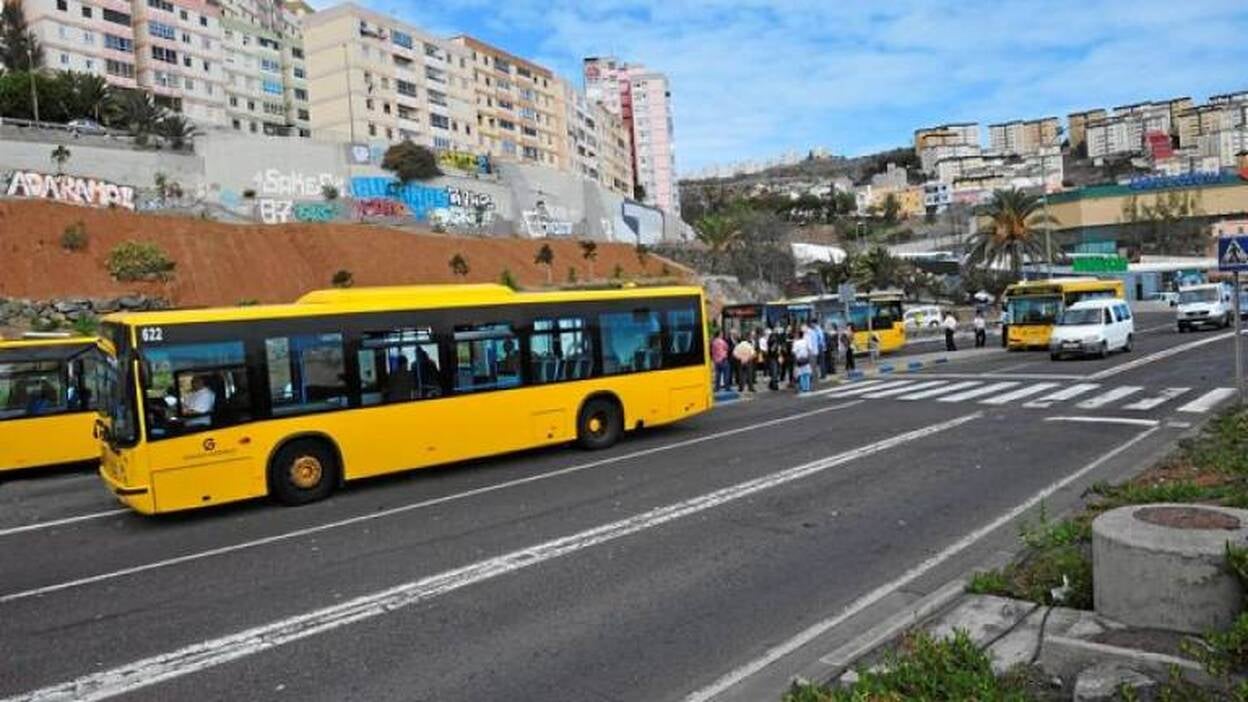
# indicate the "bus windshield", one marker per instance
pixel 883 315
pixel 118 403
pixel 1040 309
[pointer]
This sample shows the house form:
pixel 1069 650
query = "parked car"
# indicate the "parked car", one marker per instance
pixel 85 126
pixel 1093 327
pixel 1170 298
pixel 922 316
pixel 1207 305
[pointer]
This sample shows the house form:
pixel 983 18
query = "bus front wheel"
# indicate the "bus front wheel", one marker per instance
pixel 600 424
pixel 304 470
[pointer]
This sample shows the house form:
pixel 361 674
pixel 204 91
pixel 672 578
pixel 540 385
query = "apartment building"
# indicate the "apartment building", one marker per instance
pixel 372 78
pixel 953 134
pixel 91 36
pixel 265 71
pixel 1078 125
pixel 178 56
pixel 1023 137
pixel 599 143
pixel 643 99
pixel 521 111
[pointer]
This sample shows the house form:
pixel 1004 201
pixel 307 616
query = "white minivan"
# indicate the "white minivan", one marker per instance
pixel 922 316
pixel 1093 327
pixel 1210 305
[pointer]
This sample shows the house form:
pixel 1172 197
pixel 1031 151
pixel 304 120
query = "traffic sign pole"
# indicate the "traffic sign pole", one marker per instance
pixel 1239 343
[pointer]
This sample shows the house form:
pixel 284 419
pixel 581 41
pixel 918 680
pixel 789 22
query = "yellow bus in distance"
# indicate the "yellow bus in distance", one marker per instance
pixel 1035 305
pixel 218 405
pixel 49 390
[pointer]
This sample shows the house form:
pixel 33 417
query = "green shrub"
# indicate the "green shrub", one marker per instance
pixel 924 668
pixel 508 279
pixel 74 238
pixel 139 260
pixel 571 274
pixel 86 325
pixel 342 279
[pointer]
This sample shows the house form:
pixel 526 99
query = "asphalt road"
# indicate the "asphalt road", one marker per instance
pixel 718 554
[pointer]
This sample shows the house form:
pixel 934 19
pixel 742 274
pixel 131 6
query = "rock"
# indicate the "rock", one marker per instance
pixel 104 306
pixel 67 306
pixel 131 302
pixel 1103 682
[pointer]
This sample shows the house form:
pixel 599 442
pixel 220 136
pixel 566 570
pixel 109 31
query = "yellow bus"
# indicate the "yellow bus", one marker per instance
pixel 882 310
pixel 885 310
pixel 49 391
pixel 216 405
pixel 1035 305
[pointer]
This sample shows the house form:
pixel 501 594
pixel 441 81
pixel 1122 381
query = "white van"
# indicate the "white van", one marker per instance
pixel 1093 327
pixel 1208 305
pixel 922 316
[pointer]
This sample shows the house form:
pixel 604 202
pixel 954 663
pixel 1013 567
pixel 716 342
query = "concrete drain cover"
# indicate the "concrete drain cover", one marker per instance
pixel 1187 518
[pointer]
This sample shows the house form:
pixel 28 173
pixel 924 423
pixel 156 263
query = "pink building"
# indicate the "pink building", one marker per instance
pixel 178 45
pixel 644 99
pixel 91 36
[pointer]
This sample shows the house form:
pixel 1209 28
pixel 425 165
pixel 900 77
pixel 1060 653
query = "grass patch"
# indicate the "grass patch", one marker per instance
pixel 923 668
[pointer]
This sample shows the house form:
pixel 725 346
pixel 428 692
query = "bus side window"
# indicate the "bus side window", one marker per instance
pixel 306 373
pixel 560 349
pixel 631 341
pixel 398 366
pixel 683 345
pixel 487 358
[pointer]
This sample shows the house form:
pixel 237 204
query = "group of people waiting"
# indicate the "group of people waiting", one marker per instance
pixel 792 355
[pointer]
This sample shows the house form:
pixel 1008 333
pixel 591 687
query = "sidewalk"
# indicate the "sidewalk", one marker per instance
pixel 886 366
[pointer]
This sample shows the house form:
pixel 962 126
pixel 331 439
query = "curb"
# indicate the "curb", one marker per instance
pixel 887 368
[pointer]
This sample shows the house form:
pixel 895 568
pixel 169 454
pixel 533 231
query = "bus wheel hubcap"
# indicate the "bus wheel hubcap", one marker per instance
pixel 306 472
pixel 596 424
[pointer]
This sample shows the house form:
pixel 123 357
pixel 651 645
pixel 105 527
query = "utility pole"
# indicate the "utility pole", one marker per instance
pixel 1239 343
pixel 30 71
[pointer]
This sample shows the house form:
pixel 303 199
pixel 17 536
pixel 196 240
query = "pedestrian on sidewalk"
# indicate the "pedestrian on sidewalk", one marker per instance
pixel 981 330
pixel 744 355
pixel 847 343
pixel 951 327
pixel 775 358
pixel 802 357
pixel 873 348
pixel 719 357
pixel 1005 326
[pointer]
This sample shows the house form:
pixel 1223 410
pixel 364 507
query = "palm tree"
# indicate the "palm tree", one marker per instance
pixel 1013 231
pixel 60 155
pixel 720 232
pixel 589 252
pixel 545 257
pixel 86 95
pixel 177 129
pixel 138 113
pixel 877 269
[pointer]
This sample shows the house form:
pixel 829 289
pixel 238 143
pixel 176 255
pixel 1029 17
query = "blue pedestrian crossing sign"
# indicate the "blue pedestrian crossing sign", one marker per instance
pixel 1233 253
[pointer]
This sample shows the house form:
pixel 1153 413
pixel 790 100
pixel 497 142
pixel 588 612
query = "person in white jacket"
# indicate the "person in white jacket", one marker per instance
pixel 951 327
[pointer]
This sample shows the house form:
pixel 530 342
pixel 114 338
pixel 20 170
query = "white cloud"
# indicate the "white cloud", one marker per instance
pixel 754 78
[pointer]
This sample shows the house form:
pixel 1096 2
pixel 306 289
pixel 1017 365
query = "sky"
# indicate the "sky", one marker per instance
pixel 756 78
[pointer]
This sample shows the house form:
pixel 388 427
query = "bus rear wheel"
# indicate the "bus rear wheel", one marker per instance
pixel 600 424
pixel 304 470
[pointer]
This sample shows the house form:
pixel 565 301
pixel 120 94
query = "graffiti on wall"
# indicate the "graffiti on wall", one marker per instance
pixel 315 211
pixel 448 207
pixel 278 211
pixel 547 220
pixel 294 184
pixel 88 192
pixel 379 207
pixel 464 161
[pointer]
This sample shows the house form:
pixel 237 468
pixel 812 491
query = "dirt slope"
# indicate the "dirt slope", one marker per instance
pixel 222 264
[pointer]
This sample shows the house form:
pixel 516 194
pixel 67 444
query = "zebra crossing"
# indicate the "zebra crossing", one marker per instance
pixel 1034 395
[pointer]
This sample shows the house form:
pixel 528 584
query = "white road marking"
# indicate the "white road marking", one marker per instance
pixel 62 522
pixel 818 629
pixel 998 375
pixel 1132 421
pixel 1208 401
pixel 845 386
pixel 1150 402
pixel 208 654
pixel 976 392
pixel 1062 395
pixel 1026 391
pixel 285 536
pixel 908 388
pixel 1159 355
pixel 861 389
pixel 1112 396
pixel 938 391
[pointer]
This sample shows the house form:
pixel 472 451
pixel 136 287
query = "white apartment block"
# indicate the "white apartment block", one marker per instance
pixel 1112 136
pixel 930 156
pixel 599 143
pixel 265 73
pixel 1023 138
pixel 374 78
pixel 91 36
pixel 178 51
